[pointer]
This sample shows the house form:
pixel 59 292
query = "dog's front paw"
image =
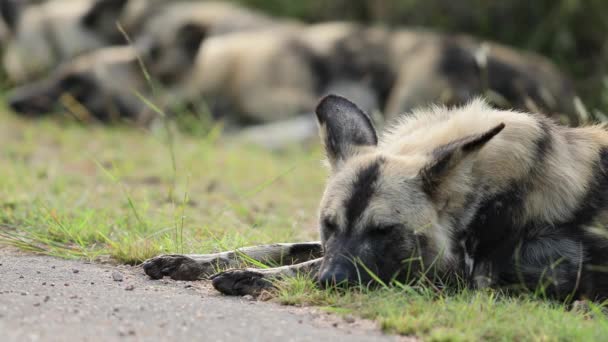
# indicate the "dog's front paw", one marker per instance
pixel 241 282
pixel 178 267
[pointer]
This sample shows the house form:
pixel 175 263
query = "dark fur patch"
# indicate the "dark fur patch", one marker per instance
pixel 459 66
pixel 492 235
pixel 562 258
pixel 358 57
pixel 596 248
pixel 597 196
pixel 318 65
pixel 345 125
pixel 10 11
pixel 363 188
pixel 101 18
pixel 515 83
pixel 299 252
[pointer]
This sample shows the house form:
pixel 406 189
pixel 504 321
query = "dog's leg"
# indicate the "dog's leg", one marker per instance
pixel 552 266
pixel 197 266
pixel 250 281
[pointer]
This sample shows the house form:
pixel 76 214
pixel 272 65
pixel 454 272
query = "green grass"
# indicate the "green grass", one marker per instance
pixel 94 192
pixel 460 316
pixel 83 192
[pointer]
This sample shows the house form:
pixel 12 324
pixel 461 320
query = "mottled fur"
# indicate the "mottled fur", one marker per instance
pixel 97 86
pixel 171 38
pixel 452 70
pixel 519 206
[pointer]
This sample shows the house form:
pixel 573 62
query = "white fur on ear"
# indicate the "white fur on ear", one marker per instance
pixel 344 128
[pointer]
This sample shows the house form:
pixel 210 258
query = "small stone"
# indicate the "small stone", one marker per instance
pixel 52 284
pixel 66 284
pixel 24 293
pixel 248 297
pixel 265 296
pixel 21 277
pixel 37 304
pixel 53 267
pixel 130 288
pixel 580 306
pixel 116 309
pixel 46 299
pixel 188 286
pixel 44 283
pixel 75 271
pixel 117 276
pixel 349 319
pixel 37 272
pixel 335 324
pixel 92 283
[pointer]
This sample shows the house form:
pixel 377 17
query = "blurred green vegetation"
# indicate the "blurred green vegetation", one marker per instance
pixel 572 33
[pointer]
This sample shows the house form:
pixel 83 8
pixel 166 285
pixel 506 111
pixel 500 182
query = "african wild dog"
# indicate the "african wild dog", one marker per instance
pixel 43 34
pixel 454 69
pixel 497 198
pixel 171 38
pixel 97 86
pixel 102 82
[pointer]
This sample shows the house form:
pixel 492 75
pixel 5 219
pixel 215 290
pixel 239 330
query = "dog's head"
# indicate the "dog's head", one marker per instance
pixel 99 86
pixel 170 53
pixel 171 38
pixel 382 213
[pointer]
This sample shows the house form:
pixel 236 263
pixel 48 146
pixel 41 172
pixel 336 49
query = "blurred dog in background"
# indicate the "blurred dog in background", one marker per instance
pixel 249 68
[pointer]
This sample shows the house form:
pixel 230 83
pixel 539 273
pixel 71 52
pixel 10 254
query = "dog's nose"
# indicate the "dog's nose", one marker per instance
pixel 337 275
pixel 17 104
pixel 28 103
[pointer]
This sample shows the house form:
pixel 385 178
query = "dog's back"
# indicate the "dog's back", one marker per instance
pixel 541 196
pixel 454 69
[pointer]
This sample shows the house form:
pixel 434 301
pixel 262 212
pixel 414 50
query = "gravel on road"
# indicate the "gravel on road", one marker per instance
pixel 48 299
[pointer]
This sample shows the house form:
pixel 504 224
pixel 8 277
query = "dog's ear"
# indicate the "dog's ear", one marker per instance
pixel 11 11
pixel 103 16
pixel 344 128
pixel 189 38
pixel 448 157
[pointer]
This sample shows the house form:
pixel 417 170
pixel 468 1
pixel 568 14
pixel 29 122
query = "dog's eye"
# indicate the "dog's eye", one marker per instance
pixel 383 230
pixel 154 52
pixel 329 226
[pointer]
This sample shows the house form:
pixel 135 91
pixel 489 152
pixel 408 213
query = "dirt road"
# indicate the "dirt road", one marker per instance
pixel 48 299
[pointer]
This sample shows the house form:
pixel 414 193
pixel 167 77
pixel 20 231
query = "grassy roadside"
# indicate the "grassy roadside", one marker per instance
pixel 88 192
pixel 82 192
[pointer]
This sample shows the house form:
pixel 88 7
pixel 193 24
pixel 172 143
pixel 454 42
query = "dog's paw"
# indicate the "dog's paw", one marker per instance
pixel 178 267
pixel 241 282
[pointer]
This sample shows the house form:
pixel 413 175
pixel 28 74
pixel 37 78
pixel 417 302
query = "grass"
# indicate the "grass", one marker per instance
pixel 94 192
pixel 459 316
pixel 83 192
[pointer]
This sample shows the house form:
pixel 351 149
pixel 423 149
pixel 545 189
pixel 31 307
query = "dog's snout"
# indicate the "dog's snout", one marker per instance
pixel 17 104
pixel 27 101
pixel 336 275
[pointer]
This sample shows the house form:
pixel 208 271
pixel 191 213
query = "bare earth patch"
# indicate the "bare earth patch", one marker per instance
pixel 45 298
